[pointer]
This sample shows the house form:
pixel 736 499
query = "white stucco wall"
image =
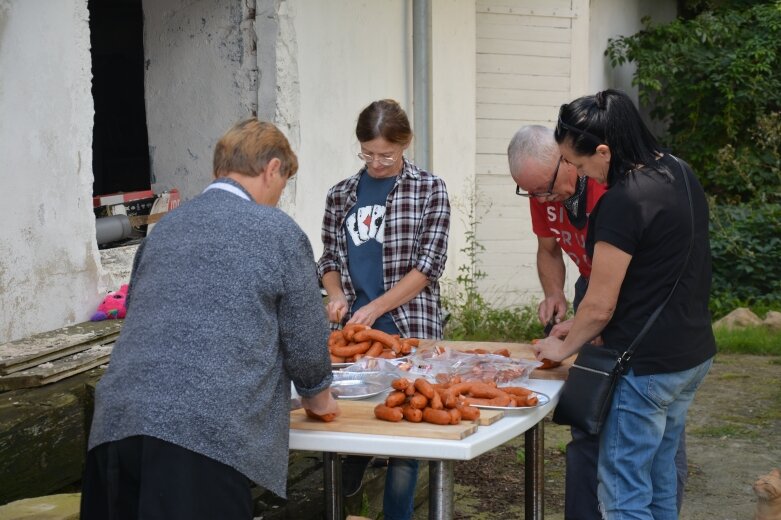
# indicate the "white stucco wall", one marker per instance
pixel 48 253
pixel 454 114
pixel 200 78
pixel 614 18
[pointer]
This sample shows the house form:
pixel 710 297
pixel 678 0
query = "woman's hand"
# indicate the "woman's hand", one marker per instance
pixel 560 330
pixel 366 315
pixel 336 308
pixel 550 348
pixel 322 403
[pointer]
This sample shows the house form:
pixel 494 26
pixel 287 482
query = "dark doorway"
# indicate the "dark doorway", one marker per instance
pixel 120 145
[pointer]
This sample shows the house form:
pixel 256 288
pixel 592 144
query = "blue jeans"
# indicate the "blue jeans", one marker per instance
pixel 398 502
pixel 636 469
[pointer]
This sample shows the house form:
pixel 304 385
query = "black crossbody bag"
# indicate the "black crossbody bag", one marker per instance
pixel 588 390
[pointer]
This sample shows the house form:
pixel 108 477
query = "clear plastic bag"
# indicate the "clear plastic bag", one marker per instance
pixel 442 364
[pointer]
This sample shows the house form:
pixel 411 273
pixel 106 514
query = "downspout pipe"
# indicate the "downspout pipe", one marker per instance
pixel 421 82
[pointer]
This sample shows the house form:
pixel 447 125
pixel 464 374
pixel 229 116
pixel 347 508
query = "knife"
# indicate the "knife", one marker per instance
pixel 549 326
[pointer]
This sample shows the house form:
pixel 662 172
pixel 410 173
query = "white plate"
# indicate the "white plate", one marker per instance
pixel 542 399
pixel 359 385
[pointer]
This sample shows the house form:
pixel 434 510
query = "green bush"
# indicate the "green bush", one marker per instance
pixel 746 248
pixel 715 81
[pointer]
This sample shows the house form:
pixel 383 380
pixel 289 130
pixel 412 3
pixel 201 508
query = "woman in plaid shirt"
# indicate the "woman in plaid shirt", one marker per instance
pixel 385 232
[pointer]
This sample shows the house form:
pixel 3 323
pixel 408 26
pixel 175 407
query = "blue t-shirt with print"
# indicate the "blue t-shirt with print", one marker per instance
pixel 365 226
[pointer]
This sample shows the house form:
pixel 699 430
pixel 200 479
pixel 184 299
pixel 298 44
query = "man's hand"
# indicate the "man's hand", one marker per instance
pixel 553 307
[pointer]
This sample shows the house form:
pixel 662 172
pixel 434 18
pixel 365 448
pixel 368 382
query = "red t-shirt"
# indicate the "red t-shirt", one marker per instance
pixel 549 219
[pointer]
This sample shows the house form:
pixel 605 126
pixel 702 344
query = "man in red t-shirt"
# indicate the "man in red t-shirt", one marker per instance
pixel 560 203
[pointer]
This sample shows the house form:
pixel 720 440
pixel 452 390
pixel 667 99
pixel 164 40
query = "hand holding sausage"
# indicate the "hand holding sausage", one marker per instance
pixel 321 404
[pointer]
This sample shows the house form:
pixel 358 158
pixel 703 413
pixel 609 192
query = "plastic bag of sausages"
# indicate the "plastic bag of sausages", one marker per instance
pixel 442 364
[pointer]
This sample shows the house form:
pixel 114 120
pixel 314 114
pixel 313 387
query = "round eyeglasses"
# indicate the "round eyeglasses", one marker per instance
pixel 545 193
pixel 384 160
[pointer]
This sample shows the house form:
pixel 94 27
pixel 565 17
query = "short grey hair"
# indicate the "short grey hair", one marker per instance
pixel 532 141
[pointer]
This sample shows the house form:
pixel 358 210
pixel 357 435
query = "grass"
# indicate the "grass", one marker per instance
pixel 749 340
pixel 482 322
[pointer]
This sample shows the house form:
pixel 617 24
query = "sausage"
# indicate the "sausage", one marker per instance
pixel 455 415
pixel 351 350
pixel 400 384
pixel 395 399
pixel 503 400
pixel 336 338
pixel 502 352
pixel 378 335
pixel 337 359
pixel 484 390
pixel 388 414
pixel 350 329
pixel 412 414
pixel 516 390
pixel 327 417
pixel 418 401
pixel 529 400
pixel 410 390
pixel 436 402
pixel 547 363
pixel 436 416
pixel 469 413
pixel 375 350
pixel 448 399
pixel 425 388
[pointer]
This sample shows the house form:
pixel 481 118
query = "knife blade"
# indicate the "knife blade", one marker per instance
pixel 549 326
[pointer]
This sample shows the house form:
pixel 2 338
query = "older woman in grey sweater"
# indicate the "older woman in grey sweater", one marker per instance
pixel 224 310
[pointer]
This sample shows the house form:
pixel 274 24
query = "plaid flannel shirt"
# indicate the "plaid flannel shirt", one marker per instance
pixel 417 221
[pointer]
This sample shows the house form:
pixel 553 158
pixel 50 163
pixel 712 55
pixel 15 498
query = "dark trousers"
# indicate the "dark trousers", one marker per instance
pixel 147 478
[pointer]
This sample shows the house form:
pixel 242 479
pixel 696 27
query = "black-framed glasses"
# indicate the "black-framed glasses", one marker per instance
pixel 546 193
pixel 561 124
pixel 384 160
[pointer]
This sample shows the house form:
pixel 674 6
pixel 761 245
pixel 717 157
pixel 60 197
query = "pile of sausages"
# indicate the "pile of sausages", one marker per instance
pixel 355 341
pixel 449 402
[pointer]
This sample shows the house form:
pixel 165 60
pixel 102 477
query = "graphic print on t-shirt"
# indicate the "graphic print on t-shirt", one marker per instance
pixel 368 223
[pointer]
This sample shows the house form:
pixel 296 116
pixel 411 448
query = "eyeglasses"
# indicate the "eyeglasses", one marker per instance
pixel 545 193
pixel 384 160
pixel 561 124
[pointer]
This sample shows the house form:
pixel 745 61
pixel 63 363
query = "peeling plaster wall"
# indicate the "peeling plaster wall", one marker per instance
pixel 48 255
pixel 200 78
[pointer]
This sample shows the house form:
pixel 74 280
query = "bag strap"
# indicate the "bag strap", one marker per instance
pixel 629 351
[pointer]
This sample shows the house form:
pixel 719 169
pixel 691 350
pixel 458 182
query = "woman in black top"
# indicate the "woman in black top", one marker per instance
pixel 639 239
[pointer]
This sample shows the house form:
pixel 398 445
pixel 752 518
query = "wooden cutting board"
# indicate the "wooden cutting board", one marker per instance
pixel 517 351
pixel 358 417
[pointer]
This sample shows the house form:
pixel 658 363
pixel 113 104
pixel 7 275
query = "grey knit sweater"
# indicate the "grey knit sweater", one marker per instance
pixel 224 310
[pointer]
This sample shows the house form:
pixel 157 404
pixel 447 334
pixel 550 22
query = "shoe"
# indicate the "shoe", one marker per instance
pixel 353 468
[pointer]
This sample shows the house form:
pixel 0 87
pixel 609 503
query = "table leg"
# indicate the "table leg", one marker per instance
pixel 440 490
pixel 534 472
pixel 332 486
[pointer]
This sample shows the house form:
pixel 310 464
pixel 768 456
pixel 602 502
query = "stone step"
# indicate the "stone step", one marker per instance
pixel 51 507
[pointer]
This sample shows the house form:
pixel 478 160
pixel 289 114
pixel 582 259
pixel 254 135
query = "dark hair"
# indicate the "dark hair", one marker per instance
pixel 609 117
pixel 386 119
pixel 249 146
